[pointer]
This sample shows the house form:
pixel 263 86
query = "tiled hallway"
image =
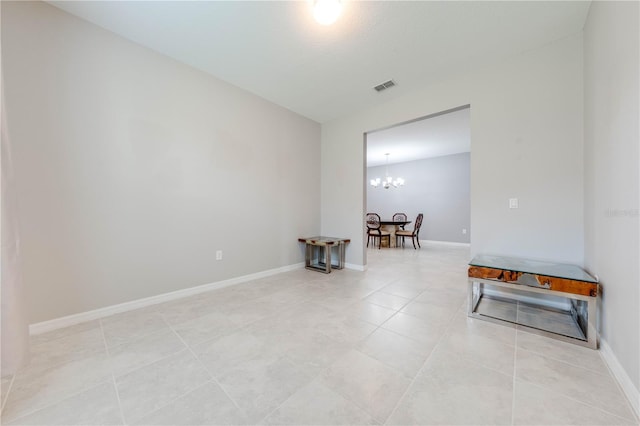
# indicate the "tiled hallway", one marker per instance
pixel 388 346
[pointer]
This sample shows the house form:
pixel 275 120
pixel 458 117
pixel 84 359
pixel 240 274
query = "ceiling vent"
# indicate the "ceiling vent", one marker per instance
pixel 385 85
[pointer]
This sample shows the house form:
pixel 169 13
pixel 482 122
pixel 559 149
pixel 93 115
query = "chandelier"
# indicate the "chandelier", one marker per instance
pixel 388 181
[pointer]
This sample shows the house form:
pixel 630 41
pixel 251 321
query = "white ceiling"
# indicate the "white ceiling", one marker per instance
pixel 276 50
pixel 444 134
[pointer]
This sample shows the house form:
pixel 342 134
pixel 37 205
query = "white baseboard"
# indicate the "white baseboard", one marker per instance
pixel 42 327
pixel 446 243
pixel 355 267
pixel 630 391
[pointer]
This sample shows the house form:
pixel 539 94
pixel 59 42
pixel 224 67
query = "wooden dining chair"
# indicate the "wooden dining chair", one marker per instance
pixel 400 217
pixel 374 230
pixel 413 234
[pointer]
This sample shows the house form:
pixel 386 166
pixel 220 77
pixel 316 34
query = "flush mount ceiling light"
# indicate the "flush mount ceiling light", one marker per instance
pixel 326 12
pixel 388 181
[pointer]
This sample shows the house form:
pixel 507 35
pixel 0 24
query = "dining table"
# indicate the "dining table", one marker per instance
pixel 392 226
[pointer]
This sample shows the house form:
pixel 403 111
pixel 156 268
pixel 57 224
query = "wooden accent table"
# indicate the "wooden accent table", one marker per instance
pixel 323 261
pixel 552 299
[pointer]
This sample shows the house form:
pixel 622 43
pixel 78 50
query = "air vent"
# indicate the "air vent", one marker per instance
pixel 385 85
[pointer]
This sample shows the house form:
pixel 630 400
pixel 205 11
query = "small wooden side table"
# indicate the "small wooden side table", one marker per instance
pixel 323 245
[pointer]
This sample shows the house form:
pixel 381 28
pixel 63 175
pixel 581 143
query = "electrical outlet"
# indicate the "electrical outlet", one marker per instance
pixel 219 255
pixel 464 230
pixel 513 203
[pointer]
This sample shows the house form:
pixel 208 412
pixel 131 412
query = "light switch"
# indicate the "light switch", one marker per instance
pixel 513 203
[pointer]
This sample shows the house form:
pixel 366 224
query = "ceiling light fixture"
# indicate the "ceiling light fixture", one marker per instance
pixel 388 181
pixel 326 12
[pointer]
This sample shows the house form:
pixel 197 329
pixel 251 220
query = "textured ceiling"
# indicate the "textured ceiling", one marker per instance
pixel 277 51
pixel 444 134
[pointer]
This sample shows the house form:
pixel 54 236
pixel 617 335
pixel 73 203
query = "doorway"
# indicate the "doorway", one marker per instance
pixel 432 155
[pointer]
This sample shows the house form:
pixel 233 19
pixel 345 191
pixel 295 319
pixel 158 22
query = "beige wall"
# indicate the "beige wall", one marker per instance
pixel 133 169
pixel 612 234
pixel 526 142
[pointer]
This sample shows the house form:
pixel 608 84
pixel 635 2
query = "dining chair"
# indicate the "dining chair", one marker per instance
pixel 374 230
pixel 413 234
pixel 400 217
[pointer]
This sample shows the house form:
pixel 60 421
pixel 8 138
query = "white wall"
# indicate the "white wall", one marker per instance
pixel 526 139
pixel 133 169
pixel 436 187
pixel 612 189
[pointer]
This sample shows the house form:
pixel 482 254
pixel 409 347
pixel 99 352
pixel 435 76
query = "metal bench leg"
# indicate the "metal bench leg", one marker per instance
pixel 327 259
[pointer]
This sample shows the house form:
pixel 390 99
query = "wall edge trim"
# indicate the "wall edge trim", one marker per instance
pixel 446 243
pixel 69 320
pixel 621 376
pixel 355 267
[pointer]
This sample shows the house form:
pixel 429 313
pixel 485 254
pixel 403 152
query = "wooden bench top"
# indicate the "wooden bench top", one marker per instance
pixel 565 285
pixel 324 241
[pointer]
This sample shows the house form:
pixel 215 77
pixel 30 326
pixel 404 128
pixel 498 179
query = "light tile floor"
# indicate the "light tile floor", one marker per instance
pixel 388 346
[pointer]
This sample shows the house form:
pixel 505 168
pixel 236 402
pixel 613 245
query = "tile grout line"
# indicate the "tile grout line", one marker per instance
pixel 147 363
pixel 213 378
pixel 462 309
pixel 413 341
pixel 636 415
pixel 406 391
pixel 6 397
pixel 578 401
pixel 113 377
pixel 346 397
pixel 287 399
pixel 134 339
pixel 607 374
pixel 56 401
pixel 610 375
pixel 200 386
pixel 444 331
pixel 383 306
pixel 185 349
pixel 251 323
pixel 115 386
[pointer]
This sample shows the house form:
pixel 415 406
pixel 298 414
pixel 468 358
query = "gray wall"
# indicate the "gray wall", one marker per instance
pixel 133 169
pixel 526 140
pixel 611 133
pixel 437 187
